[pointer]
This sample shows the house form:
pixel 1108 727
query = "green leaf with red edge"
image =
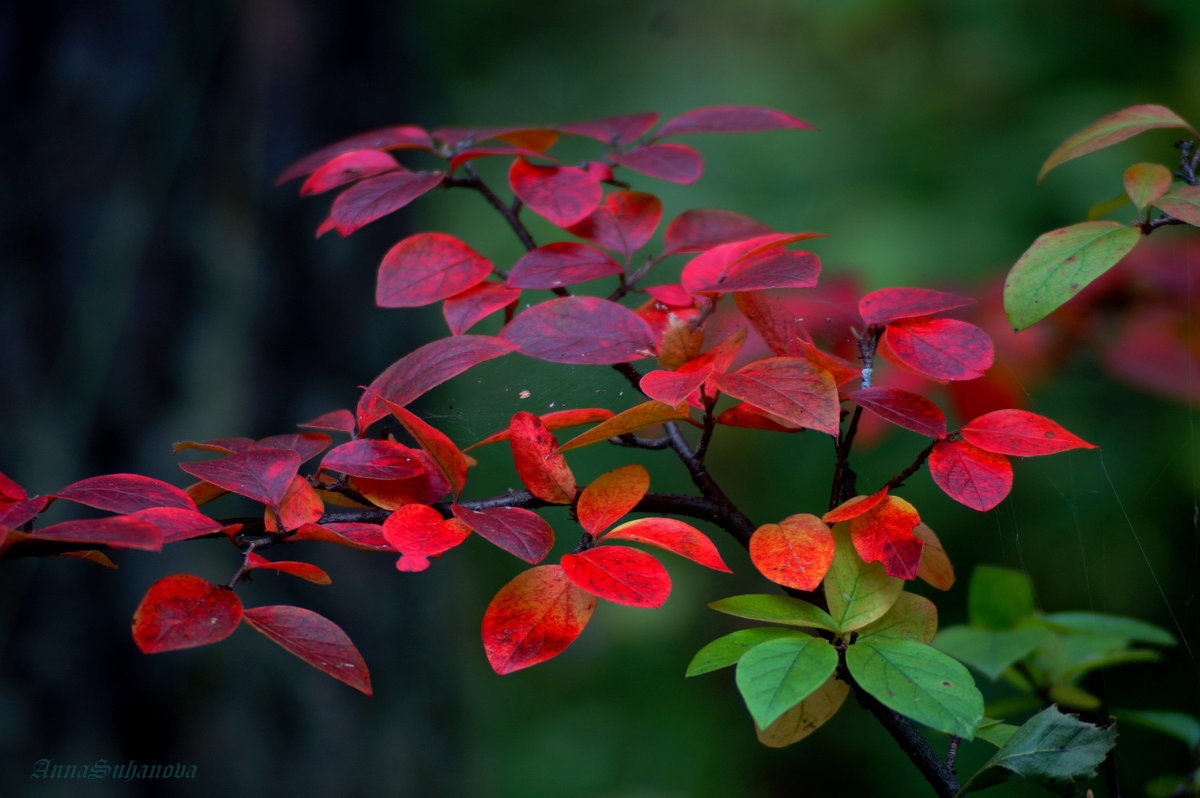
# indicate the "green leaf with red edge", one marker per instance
pixel 623 223
pixel 889 304
pixel 303 570
pixel 904 409
pixel 677 163
pixel 704 228
pixel 944 349
pixel 477 303
pixel 1021 433
pixel 1059 264
pixel 175 523
pixel 885 534
pixel 731 119
pixel 313 638
pixel 970 475
pixel 449 459
pixel 1146 182
pixel 613 129
pixel 373 459
pixel 533 618
pixel 540 465
pixel 335 420
pixel 1110 130
pixel 348 167
pixel 471 153
pixel 855 507
pixel 610 496
pixel 560 419
pixel 561 263
pixel 794 553
pixel 306 444
pixel 522 533
pixel 1182 203
pixel 755 264
pixel 748 416
pixel 428 267
pixel 674 387
pixel 116 532
pixel 674 536
pixel 376 197
pixel 580 330
pixel 631 420
pixel 564 195
pixel 389 138
pixel 620 574
pixel 419 532
pixel 260 474
pixel 426 368
pixel 183 611
pixel 789 388
pixel 125 493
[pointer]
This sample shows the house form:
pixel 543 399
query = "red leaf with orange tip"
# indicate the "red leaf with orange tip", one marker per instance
pixel 674 387
pixel 1021 433
pixel 428 267
pixel 756 264
pixel 563 194
pixel 522 533
pixel 885 534
pixel 613 129
pixel 620 574
pixel 303 570
pixel 336 420
pixel 419 532
pixel 969 475
pixel 674 536
pixel 731 119
pixel 348 167
pixel 704 228
pixel 261 474
pixel 353 534
pixel 889 304
pixel 176 523
pixel 183 611
pixel 125 493
pixel 539 464
pixel 748 416
pixel 373 459
pixel 581 329
pixel 449 458
pixel 854 507
pixel 677 163
pixel 560 419
pixel 533 618
pixel 301 505
pixel 623 223
pixel 794 553
pixel 388 138
pixel 117 532
pixel 610 496
pixel 904 409
pixel 790 388
pixel 945 349
pixel 561 263
pixel 313 638
pixel 376 197
pixel 477 303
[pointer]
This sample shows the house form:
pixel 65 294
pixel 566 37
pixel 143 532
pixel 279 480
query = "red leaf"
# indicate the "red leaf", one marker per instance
pixel 176 523
pixel 301 505
pixel 885 534
pixel 477 303
pixel 303 570
pixel 183 611
pixel 852 508
pixel 748 416
pixel 388 138
pixel 561 263
pixel 315 639
pixel 375 197
pixel 580 329
pixel 620 574
pixel 889 304
pixel 1021 433
pixel 677 163
pixel 704 228
pixel 539 139
pixel 306 444
pixel 10 491
pixel 563 194
pixel 624 223
pixel 756 264
pixel 261 474
pixel 794 553
pixel 356 535
pixel 373 459
pixel 117 532
pixel 419 532
pixel 970 475
pixel 945 349
pixel 533 618
pixel 424 369
pixel 904 409
pixel 522 533
pixel 472 153
pixel 125 493
pixel 674 536
pixel 336 420
pixel 614 129
pixel 426 268
pixel 674 387
pixel 448 458
pixel 790 388
pixel 15 514
pixel 731 119
pixel 781 329
pixel 673 296
pixel 427 487
pixel 560 419
pixel 610 496
pixel 539 464
pixel 348 167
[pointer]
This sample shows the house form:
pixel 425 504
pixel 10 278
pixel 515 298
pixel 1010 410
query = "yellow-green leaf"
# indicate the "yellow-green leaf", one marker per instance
pixel 1146 182
pixel 857 592
pixel 1182 203
pixel 1110 130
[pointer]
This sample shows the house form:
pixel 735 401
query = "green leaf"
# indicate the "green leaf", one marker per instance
pixel 1051 749
pixel 776 609
pixel 994 731
pixel 1059 264
pixel 806 717
pixel 775 676
pixel 1073 697
pixel 1110 130
pixel 857 592
pixel 1176 724
pixel 1146 182
pixel 919 682
pixel 727 650
pixel 1098 623
pixel 1182 203
pixel 912 617
pixel 989 651
pixel 999 598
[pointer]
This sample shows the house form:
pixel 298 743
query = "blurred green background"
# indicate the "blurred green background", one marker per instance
pixel 158 287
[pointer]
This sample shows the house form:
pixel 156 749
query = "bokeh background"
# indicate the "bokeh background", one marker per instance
pixel 157 286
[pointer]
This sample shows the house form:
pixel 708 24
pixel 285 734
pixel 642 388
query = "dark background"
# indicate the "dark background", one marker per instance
pixel 158 287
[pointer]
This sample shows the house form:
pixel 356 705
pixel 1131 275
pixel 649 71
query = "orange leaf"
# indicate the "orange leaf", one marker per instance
pixel 853 507
pixel 610 496
pixel 935 565
pixel 631 420
pixel 533 618
pixel 555 421
pixel 674 536
pixel 540 465
pixel 795 553
pixel 449 458
pixel 885 534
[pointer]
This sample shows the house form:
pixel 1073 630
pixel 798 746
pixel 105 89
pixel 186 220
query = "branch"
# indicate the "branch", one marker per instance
pixel 730 518
pixel 914 745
